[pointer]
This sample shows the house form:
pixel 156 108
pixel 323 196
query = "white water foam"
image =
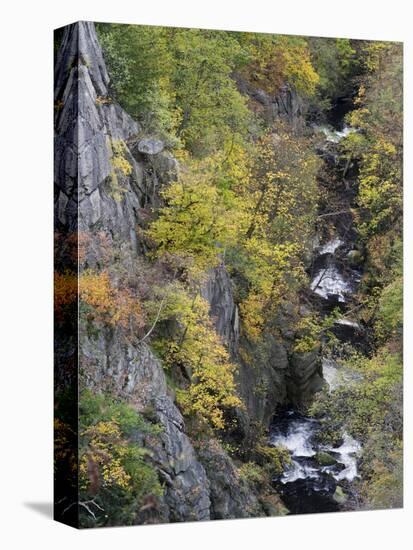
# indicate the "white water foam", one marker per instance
pixel 348 453
pixel 331 373
pixel 329 282
pixel 296 470
pixel 348 323
pixel 334 136
pixel 337 375
pixel 297 440
pixel 331 246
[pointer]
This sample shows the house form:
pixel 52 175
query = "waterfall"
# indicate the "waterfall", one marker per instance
pixel 310 481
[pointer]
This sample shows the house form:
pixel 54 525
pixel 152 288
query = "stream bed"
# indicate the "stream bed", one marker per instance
pixel 313 480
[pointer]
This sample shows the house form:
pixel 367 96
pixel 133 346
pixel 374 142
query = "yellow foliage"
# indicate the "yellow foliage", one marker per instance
pixel 118 157
pixel 121 168
pixel 277 60
pixel 117 306
pixel 279 201
pixel 104 451
pixel 198 221
pixel 199 352
pixel 65 440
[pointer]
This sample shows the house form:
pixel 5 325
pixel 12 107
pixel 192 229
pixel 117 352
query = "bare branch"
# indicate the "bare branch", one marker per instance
pixel 154 323
pixel 334 213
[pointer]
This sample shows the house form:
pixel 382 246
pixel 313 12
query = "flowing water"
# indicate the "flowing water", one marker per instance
pixel 307 486
pixel 309 483
pixel 334 136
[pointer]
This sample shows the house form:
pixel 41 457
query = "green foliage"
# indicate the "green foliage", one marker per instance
pixel 121 168
pixel 365 406
pixel 267 462
pixel 115 475
pixel 274 458
pixel 335 61
pixel 310 328
pixel 383 466
pixel 177 82
pixel 212 108
pixel 197 222
pixel 139 63
pixel 253 474
pixel 379 147
pixel 279 199
pixel 380 194
pixel 372 411
pixel 274 60
pixel 390 310
pixel 103 408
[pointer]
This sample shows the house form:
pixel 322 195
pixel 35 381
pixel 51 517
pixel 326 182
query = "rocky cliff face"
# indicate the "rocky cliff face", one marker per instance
pixel 89 127
pixel 132 372
pixel 271 374
pixel 107 174
pixel 218 291
pixel 287 105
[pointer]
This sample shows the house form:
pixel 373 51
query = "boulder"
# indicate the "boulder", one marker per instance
pixel 355 258
pixel 340 496
pixel 230 495
pixel 150 146
pixel 325 459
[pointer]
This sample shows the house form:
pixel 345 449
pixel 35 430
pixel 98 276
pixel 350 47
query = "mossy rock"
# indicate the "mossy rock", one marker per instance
pixel 355 257
pixel 273 506
pixel 339 495
pixel 325 459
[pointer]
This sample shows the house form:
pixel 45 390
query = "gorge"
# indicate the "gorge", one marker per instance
pixel 312 481
pixel 227 275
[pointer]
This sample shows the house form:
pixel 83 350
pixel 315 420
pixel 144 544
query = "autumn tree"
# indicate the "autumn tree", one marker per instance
pixel 276 60
pixel 198 353
pixel 280 200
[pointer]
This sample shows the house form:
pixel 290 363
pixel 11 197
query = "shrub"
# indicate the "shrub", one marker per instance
pixel 106 303
pixel 115 474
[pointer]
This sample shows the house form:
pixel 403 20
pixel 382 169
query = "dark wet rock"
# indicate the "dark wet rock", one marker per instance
pixel 268 374
pixel 230 495
pixel 304 376
pixel 287 105
pixel 355 258
pixel 352 331
pixel 218 291
pixel 261 378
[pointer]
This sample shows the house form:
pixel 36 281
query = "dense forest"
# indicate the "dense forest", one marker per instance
pixel 239 246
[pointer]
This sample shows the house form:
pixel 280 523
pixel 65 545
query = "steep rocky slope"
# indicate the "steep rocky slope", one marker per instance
pixel 108 173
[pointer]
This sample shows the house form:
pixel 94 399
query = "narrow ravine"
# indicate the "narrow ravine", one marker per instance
pixel 312 482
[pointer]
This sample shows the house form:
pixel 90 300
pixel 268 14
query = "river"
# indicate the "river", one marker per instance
pixel 314 479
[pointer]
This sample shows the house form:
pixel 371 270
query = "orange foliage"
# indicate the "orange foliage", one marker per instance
pixel 113 305
pixel 65 291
